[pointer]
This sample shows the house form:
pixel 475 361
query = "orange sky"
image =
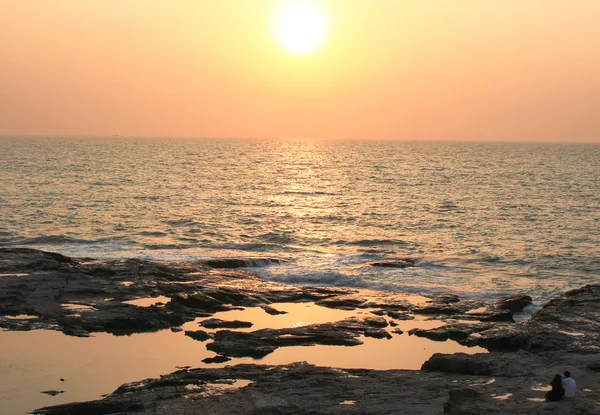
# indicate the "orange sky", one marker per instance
pixel 390 69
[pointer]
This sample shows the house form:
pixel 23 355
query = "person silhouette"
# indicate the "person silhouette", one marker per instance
pixel 569 385
pixel 557 392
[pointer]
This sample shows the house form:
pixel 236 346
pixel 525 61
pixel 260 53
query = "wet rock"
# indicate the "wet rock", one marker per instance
pixel 377 334
pixel 199 335
pixel 515 304
pixel 215 323
pixel 25 260
pixel 138 320
pixel 399 315
pixel 498 315
pixel 458 332
pixel 568 323
pixel 458 363
pixel 216 359
pixel 475 365
pixel 397 263
pixel 446 298
pixel 345 302
pixel 439 309
pixel 199 301
pixel 241 263
pixel 502 338
pixel 76 331
pixel 239 344
pixel 260 343
pixel 272 311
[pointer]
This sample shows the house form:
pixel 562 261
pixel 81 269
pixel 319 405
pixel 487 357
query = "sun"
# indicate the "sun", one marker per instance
pixel 300 26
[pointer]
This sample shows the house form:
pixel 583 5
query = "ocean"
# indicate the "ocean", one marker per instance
pixel 481 220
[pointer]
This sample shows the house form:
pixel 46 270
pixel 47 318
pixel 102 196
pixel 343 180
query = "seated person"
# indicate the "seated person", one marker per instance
pixel 557 392
pixel 569 385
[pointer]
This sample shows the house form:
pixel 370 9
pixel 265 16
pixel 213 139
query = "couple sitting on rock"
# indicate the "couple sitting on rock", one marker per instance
pixel 561 387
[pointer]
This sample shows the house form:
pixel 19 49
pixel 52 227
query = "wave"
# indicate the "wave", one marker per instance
pixel 373 242
pixel 152 233
pixel 301 193
pixel 64 240
pixel 322 279
pixel 257 247
pixel 181 222
pixel 241 263
pixel 276 238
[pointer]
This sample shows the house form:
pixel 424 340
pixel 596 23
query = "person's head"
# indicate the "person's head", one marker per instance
pixel 556 380
pixel 567 374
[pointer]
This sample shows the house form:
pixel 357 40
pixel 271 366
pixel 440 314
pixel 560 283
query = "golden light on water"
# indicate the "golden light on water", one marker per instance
pixel 300 27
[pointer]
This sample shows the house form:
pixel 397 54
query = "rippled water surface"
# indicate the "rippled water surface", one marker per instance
pixel 482 219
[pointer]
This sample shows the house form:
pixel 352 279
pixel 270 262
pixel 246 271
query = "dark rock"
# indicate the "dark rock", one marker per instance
pixel 441 309
pixel 476 365
pixel 400 316
pixel 93 408
pixel 458 332
pixel 272 311
pixel 446 298
pixel 24 260
pixel 515 304
pixel 176 329
pixel 198 300
pixel 239 344
pixel 260 343
pixel 397 263
pixel 52 392
pixel 216 359
pixel 595 366
pixel 215 323
pixel 348 302
pixel 135 324
pixel 377 334
pixel 502 338
pixel 398 331
pixel 241 263
pixel 458 363
pixel 498 315
pixel 459 397
pixel 76 331
pixel 199 335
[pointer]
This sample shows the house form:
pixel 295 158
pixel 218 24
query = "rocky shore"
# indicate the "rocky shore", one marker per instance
pixel 40 290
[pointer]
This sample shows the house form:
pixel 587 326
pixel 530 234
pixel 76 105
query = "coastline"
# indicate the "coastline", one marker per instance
pixel 85 298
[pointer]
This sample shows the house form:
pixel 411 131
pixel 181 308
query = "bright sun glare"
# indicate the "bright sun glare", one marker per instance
pixel 300 26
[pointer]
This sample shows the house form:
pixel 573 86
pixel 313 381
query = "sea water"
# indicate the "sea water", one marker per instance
pixel 481 219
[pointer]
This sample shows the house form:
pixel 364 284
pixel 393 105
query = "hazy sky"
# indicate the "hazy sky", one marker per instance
pixel 420 69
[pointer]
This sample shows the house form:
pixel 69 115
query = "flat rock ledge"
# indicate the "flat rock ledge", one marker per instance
pixel 301 388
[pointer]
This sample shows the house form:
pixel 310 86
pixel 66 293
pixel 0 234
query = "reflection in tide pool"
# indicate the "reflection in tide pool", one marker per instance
pixel 35 361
